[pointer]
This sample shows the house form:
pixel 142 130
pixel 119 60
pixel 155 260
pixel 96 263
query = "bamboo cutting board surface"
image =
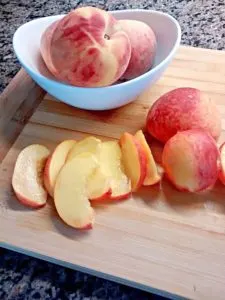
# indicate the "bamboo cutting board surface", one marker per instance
pixel 160 240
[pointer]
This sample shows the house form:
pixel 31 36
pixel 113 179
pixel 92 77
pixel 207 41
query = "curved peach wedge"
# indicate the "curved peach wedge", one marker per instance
pixel 54 164
pixel 152 174
pixel 111 164
pixel 98 183
pixel 71 193
pixel 134 160
pixel 27 180
pixel 99 186
pixel 89 144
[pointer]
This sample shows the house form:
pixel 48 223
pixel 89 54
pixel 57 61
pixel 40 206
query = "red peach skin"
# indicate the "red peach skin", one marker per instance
pixel 222 164
pixel 45 46
pixel 86 48
pixel 190 160
pixel 143 47
pixel 183 109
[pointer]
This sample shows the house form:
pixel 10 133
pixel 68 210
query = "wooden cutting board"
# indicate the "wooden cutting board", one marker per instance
pixel 160 240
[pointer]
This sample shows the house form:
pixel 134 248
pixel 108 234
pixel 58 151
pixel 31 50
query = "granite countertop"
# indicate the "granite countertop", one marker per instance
pixel 21 277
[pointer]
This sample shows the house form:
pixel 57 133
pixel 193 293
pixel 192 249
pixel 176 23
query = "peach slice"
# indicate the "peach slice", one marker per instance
pixel 152 174
pixel 89 144
pixel 190 160
pixel 134 160
pixel 222 164
pixel 71 193
pixel 55 163
pixel 27 179
pixel 111 164
pixel 99 186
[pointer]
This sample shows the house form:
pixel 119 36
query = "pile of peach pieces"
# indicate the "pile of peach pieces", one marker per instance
pixel 90 48
pixel 182 127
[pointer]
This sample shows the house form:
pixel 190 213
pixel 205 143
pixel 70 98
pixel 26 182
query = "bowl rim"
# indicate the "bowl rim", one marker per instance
pixel 113 86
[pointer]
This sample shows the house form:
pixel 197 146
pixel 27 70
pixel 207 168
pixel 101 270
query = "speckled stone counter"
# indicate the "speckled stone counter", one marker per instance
pixel 21 277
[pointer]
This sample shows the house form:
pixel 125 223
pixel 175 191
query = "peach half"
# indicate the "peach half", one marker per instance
pixel 190 160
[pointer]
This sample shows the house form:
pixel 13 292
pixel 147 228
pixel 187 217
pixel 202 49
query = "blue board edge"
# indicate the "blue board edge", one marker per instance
pixel 92 272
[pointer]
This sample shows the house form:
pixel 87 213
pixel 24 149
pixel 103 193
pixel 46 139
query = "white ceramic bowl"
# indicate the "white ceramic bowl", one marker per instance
pixel 26 43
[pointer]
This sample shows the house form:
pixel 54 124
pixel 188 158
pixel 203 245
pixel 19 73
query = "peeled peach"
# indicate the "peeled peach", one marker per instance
pixel 183 109
pixel 86 48
pixel 190 160
pixel 143 47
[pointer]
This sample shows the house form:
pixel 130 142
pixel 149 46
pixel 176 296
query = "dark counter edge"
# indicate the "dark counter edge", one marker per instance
pixel 92 272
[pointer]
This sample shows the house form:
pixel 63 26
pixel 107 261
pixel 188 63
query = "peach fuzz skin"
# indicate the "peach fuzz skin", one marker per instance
pixel 183 109
pixel 190 160
pixel 87 48
pixel 143 47
pixel 222 164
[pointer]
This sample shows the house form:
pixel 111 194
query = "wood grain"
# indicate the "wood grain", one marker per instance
pixel 17 103
pixel 160 238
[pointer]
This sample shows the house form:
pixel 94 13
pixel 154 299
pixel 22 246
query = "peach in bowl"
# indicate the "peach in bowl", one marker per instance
pixel 31 45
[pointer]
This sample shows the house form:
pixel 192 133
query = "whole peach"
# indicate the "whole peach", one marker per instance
pixel 45 47
pixel 183 109
pixel 143 47
pixel 86 48
pixel 190 160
